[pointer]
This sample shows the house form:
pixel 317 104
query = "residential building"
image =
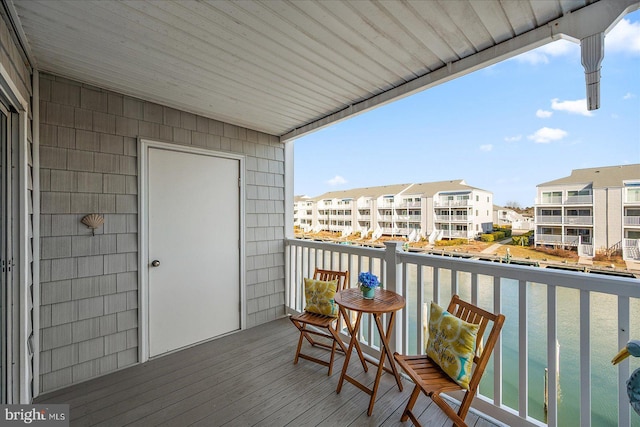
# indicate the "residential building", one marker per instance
pixel 591 210
pixel 503 216
pixel 434 210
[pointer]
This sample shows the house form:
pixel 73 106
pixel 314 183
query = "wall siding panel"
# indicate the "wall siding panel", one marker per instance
pixel 94 170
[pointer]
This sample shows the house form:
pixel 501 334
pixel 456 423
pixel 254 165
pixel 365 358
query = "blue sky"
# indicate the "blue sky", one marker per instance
pixel 505 129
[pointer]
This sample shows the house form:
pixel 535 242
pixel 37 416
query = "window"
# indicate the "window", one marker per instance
pixel 477 198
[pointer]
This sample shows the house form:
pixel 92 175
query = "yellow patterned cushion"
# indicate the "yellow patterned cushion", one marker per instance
pixel 451 344
pixel 319 296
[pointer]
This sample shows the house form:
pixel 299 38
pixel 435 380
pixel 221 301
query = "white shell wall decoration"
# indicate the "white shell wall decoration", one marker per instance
pixel 93 221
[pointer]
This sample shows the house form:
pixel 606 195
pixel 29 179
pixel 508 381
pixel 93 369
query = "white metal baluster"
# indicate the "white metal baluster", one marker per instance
pixel 474 288
pixel 420 315
pixel 405 313
pixel 624 413
pixel 552 373
pixel 497 350
pixel 585 358
pixel 523 335
pixel 436 285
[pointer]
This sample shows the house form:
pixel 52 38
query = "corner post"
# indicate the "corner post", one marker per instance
pixel 393 282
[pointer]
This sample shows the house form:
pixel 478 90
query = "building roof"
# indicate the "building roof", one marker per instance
pixel 601 177
pixel 355 193
pixel 289 68
pixel 429 189
pixel 425 189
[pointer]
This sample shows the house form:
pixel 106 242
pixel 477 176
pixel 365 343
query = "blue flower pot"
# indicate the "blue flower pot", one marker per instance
pixel 368 293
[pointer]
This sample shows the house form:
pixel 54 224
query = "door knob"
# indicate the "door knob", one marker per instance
pixel 155 263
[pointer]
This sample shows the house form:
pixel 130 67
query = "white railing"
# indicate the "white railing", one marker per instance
pixel 404 204
pixel 548 219
pixel 452 203
pixel 582 220
pixel 463 218
pixel 632 220
pixel 550 316
pixel 578 200
pixel 557 239
pixel 631 249
pixel 555 200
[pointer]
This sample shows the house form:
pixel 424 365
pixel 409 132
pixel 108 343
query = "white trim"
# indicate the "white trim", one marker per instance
pixel 23 258
pixel 288 189
pixel 35 154
pixel 11 91
pixel 143 233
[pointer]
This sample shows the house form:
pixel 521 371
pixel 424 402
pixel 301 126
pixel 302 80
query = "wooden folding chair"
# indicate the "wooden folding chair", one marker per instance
pixel 431 380
pixel 316 324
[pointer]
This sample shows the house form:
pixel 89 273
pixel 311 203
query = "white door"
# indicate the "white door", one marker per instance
pixel 194 235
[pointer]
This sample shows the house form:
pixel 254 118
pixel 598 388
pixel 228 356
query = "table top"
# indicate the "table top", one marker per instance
pixel 383 302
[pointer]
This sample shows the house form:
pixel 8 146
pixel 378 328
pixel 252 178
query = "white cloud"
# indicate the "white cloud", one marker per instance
pixel 513 138
pixel 628 95
pixel 542 54
pixel 624 37
pixel 579 106
pixel 545 135
pixel 544 114
pixel 486 147
pixel 337 180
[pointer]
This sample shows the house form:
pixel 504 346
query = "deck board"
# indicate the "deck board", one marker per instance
pixel 243 379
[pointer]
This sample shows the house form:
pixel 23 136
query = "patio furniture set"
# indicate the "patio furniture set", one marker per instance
pixel 456 353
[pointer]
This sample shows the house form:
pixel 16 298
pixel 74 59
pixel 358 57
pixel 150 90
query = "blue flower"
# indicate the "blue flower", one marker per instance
pixel 368 280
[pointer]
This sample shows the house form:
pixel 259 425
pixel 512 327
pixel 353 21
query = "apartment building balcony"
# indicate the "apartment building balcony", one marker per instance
pixel 632 221
pixel 452 203
pixel 557 239
pixel 453 218
pixel 364 217
pixel 578 220
pixel 631 249
pixel 412 218
pixel 553 318
pixel 456 234
pixel 579 200
pixel 404 204
pixel 548 219
pixel 555 200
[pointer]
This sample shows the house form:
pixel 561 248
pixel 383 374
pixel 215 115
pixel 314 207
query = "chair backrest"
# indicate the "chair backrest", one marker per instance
pixel 473 314
pixel 326 275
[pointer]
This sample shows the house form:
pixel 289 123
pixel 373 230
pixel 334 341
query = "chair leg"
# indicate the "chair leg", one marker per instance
pixel 457 420
pixel 333 355
pixel 295 360
pixel 412 401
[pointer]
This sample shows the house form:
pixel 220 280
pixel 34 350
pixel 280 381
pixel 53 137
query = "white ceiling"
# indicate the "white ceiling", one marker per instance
pixel 284 67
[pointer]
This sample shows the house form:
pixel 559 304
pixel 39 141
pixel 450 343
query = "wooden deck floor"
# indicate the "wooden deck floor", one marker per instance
pixel 244 379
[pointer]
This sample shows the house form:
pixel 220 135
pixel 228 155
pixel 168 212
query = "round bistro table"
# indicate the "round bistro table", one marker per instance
pixel 384 302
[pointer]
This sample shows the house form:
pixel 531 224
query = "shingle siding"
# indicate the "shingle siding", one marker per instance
pixel 88 164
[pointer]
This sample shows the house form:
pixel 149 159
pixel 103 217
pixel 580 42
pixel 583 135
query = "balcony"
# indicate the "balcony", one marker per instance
pixel 404 204
pixel 453 218
pixel 561 321
pixel 556 239
pixel 555 200
pixel 452 203
pixel 633 221
pixel 578 220
pixel 548 219
pixel 247 378
pixel 579 200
